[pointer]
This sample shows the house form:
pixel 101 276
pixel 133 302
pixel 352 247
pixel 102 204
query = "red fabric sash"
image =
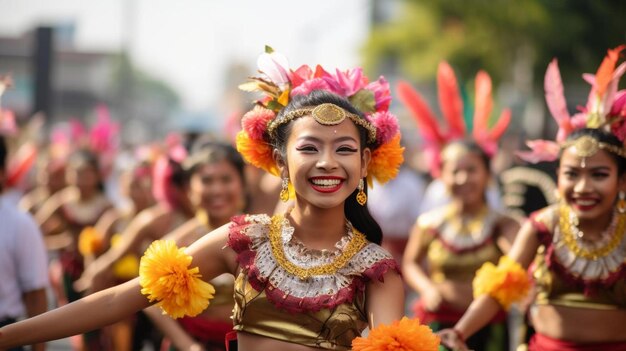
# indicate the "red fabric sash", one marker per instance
pixel 543 343
pixel 206 330
pixel 446 314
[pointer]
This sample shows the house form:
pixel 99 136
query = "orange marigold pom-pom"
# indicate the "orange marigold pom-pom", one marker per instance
pixel 404 335
pixel 89 241
pixel 507 282
pixel 257 152
pixel 386 160
pixel 165 277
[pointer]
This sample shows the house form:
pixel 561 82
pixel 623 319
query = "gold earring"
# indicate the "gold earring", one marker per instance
pixel 284 191
pixel 621 203
pixel 361 197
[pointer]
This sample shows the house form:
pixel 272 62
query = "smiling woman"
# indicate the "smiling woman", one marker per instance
pixel 578 246
pixel 311 278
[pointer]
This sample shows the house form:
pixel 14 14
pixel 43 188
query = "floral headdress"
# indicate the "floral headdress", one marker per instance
pixel 605 110
pixel 459 126
pixel 279 84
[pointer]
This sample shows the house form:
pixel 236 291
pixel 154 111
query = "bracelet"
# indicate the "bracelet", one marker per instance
pixel 458 334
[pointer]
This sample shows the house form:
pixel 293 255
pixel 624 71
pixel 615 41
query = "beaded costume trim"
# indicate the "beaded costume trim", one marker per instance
pixel 592 273
pixel 251 238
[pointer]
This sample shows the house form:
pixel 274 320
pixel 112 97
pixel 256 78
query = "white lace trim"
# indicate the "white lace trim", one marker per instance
pixel 589 269
pixel 298 254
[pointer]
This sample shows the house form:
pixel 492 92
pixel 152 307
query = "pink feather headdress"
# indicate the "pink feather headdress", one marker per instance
pixel 606 107
pixel 434 136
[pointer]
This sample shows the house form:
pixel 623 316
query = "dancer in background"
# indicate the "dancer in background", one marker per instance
pixel 450 242
pixel 578 245
pixel 217 188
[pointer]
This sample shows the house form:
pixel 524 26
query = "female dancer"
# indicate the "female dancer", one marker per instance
pixel 63 217
pixel 216 186
pixel 313 277
pixel 449 243
pixel 580 243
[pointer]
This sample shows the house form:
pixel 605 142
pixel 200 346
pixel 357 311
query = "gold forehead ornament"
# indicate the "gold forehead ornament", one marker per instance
pixel 326 114
pixel 587 146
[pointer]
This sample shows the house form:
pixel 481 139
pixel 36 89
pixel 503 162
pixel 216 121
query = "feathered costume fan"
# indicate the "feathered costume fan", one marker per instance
pixel 435 138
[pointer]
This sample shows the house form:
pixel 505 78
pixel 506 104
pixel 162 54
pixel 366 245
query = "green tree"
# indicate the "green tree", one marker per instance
pixel 499 36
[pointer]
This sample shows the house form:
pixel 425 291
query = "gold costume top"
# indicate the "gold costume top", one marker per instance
pixel 291 293
pixel 457 249
pixel 564 274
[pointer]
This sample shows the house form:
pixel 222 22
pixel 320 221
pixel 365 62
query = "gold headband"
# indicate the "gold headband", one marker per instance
pixel 587 146
pixel 326 114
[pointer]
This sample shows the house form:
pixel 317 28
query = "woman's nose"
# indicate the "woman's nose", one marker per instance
pixel 326 161
pixel 460 178
pixel 581 185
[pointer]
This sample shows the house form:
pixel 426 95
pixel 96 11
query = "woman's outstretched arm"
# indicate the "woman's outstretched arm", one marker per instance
pixel 89 313
pixel 113 304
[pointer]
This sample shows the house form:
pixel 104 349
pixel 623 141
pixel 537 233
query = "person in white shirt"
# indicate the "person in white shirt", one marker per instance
pixel 23 261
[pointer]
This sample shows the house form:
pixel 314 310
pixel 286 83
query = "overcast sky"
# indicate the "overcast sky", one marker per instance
pixel 188 43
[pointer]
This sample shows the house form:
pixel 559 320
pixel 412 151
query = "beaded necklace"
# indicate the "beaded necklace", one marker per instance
pixel 572 236
pixel 357 242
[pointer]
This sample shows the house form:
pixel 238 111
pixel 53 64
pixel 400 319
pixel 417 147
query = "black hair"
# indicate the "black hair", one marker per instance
pixel 603 137
pixel 3 153
pixel 3 159
pixel 472 146
pixel 212 152
pixel 358 215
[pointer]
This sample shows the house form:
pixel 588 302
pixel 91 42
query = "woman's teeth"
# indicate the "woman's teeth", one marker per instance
pixel 326 182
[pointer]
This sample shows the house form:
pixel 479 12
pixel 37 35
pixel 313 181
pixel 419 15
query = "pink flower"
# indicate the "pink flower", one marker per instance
pixel 619 105
pixel 382 95
pixel 310 85
pixel 103 135
pixel 275 66
pixel 299 76
pixel 255 121
pixel 386 126
pixel 351 81
pixel 77 131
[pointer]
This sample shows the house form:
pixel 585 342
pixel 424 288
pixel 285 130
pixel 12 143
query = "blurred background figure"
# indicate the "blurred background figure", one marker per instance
pixel 217 189
pixel 449 243
pixel 23 259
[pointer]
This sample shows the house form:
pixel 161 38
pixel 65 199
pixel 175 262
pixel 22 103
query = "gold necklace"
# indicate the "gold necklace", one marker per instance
pixel 616 230
pixel 355 244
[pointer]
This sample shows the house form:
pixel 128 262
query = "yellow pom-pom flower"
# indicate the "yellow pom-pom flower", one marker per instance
pixel 403 335
pixel 165 277
pixel 507 282
pixel 89 241
pixel 128 266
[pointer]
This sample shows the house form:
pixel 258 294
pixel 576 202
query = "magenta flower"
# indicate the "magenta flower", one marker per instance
pixel 386 126
pixel 350 81
pixel 310 85
pixel 382 95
